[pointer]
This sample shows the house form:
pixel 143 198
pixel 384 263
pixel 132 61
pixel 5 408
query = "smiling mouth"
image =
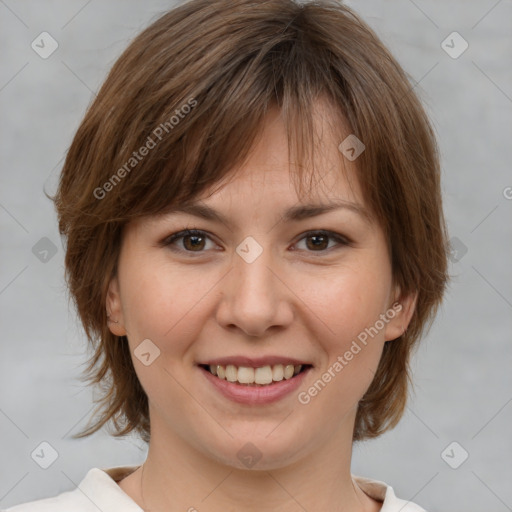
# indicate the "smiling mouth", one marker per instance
pixel 261 376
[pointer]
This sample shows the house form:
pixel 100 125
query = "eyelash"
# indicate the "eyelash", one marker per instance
pixel 169 241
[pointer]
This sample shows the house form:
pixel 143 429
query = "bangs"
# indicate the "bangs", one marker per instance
pixel 197 135
pixel 186 102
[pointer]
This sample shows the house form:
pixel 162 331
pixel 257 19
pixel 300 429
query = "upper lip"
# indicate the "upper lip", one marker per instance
pixel 254 362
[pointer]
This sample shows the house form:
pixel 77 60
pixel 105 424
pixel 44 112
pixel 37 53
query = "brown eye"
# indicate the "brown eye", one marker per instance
pixel 191 241
pixel 194 242
pixel 318 241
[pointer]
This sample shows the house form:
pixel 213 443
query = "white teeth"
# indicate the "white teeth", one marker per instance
pixel 288 371
pixel 278 372
pixel 231 373
pixel 245 375
pixel 261 376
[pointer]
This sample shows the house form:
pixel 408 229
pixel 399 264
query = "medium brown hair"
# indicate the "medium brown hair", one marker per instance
pixel 231 61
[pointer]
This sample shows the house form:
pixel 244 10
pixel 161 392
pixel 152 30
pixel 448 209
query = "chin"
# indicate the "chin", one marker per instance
pixel 253 452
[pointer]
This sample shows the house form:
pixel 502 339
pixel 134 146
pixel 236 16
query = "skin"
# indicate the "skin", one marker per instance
pixel 297 299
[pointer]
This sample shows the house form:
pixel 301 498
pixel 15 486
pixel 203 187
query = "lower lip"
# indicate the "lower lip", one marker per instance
pixel 255 394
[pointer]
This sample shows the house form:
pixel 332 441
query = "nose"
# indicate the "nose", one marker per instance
pixel 255 297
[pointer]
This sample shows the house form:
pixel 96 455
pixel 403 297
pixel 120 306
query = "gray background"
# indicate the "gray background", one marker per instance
pixel 462 371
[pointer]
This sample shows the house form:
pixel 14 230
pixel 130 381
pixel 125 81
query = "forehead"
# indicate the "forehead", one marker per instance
pixel 268 171
pixel 267 181
pixel 272 182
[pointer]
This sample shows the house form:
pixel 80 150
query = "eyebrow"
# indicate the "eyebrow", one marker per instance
pixel 293 214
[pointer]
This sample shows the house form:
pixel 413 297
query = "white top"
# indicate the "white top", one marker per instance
pixel 99 491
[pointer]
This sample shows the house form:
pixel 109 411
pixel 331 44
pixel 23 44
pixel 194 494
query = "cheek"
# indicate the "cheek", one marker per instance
pixel 159 305
pixel 162 303
pixel 352 346
pixel 144 303
pixel 348 301
pixel 349 304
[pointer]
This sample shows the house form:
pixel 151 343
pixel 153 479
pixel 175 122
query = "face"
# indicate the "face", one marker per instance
pixel 253 294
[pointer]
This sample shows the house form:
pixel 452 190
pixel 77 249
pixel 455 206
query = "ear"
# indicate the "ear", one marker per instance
pixel 114 309
pixel 400 312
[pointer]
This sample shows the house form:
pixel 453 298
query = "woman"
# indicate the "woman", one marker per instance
pixel 255 244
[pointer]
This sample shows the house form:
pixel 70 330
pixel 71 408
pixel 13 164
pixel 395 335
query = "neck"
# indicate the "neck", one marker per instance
pixel 319 480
